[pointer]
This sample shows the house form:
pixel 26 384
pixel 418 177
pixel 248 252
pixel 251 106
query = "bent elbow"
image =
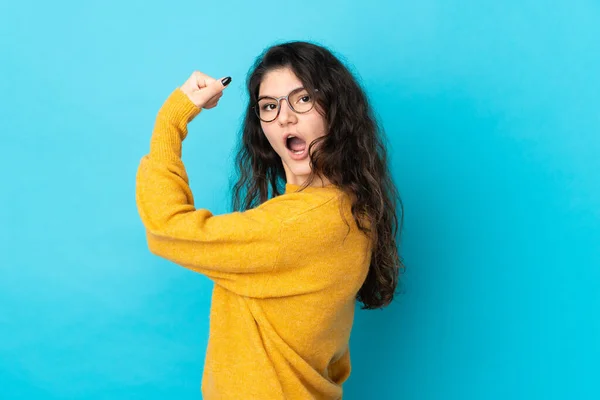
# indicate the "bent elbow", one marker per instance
pixel 153 245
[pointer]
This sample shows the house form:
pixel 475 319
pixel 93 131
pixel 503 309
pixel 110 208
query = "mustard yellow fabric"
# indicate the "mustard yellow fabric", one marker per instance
pixel 286 274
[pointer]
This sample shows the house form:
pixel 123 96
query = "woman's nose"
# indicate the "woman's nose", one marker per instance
pixel 285 113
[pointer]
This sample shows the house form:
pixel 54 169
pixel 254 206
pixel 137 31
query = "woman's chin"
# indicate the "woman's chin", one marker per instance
pixel 299 168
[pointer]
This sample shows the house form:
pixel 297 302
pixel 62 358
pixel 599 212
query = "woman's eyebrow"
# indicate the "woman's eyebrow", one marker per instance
pixel 274 97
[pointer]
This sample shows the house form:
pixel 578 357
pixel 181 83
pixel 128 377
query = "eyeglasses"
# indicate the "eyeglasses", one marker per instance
pixel 299 100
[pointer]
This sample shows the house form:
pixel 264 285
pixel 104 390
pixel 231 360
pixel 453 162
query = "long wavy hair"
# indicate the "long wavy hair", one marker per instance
pixel 351 155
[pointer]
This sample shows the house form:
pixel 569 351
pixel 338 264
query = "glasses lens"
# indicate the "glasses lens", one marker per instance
pixel 267 109
pixel 301 101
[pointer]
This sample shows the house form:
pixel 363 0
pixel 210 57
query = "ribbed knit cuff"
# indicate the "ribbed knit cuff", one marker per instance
pixel 170 128
pixel 179 110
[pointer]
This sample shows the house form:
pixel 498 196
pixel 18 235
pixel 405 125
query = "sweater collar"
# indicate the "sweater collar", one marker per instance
pixel 291 188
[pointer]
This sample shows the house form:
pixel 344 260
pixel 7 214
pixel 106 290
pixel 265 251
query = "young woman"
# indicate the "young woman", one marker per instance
pixel 313 228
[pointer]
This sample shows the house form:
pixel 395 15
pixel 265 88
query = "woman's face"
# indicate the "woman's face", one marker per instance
pixel 307 126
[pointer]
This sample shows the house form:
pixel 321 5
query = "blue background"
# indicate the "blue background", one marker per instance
pixel 493 118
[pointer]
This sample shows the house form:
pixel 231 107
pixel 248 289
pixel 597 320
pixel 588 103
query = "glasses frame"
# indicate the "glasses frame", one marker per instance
pixel 278 100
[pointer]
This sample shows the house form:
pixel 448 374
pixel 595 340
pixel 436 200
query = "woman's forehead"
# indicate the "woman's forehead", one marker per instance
pixel 278 82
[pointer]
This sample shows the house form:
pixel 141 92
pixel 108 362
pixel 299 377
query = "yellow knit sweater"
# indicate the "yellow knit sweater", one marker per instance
pixel 286 274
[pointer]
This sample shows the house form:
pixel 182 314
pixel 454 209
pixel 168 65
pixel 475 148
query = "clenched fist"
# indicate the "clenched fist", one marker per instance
pixel 203 90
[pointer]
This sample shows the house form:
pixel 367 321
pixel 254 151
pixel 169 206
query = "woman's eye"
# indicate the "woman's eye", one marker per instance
pixel 269 107
pixel 305 98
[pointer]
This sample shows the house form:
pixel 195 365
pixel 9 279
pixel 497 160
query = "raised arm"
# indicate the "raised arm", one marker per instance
pixel 224 247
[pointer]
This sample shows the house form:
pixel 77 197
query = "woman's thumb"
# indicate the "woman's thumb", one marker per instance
pixel 215 88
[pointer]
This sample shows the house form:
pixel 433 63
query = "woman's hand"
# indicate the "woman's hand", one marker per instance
pixel 203 90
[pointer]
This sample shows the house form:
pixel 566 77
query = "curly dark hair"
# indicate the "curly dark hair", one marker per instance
pixel 352 156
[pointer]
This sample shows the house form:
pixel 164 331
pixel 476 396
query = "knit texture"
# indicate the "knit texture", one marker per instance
pixel 286 274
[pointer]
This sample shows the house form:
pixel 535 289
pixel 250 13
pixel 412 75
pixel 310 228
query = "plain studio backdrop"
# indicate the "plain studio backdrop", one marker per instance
pixel 492 114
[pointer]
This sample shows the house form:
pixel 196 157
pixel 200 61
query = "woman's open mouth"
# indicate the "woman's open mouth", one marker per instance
pixel 297 148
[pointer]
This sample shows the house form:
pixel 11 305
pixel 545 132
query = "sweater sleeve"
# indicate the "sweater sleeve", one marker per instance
pixel 236 250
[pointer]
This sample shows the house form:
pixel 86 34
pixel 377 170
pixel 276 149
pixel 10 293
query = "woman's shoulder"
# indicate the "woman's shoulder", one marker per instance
pixel 319 205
